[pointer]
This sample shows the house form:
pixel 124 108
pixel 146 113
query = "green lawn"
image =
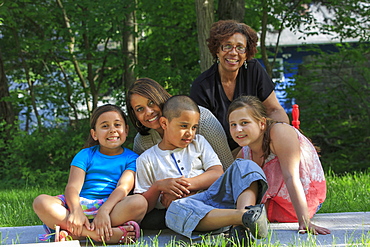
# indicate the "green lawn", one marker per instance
pixel 349 193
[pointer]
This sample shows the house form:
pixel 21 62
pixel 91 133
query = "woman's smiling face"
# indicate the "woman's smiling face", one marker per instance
pixel 231 61
pixel 146 111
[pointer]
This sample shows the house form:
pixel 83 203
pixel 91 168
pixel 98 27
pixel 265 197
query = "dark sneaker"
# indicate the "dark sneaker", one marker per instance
pixel 256 220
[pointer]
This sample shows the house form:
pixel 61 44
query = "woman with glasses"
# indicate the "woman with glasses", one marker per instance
pixel 234 73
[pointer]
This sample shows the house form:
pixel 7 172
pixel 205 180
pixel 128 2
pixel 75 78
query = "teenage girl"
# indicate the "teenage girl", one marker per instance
pixel 295 178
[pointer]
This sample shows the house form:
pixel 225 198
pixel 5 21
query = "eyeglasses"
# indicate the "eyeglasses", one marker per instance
pixel 239 49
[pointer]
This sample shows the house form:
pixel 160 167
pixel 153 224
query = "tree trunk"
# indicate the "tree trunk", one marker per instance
pixel 263 39
pixel 6 109
pixel 205 18
pixel 231 10
pixel 129 49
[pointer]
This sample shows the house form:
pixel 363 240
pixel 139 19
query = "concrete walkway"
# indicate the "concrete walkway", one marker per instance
pixel 348 229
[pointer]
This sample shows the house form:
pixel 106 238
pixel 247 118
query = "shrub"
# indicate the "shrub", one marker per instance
pixel 40 158
pixel 333 91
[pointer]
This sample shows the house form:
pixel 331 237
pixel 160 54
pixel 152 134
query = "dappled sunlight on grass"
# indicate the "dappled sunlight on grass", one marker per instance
pixel 16 207
pixel 347 193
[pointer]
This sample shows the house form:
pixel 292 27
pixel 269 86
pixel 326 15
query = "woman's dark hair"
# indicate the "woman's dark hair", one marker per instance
pixel 224 29
pixel 149 89
pixel 94 118
pixel 258 112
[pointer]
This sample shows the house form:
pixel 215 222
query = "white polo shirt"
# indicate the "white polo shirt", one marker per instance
pixel 156 164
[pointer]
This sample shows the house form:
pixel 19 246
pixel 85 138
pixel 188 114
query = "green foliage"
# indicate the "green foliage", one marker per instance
pixel 168 50
pixel 57 70
pixel 333 91
pixel 350 20
pixel 40 158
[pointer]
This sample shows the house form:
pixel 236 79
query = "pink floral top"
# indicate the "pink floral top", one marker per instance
pixel 277 200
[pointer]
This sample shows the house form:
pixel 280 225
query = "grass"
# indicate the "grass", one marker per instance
pixel 347 193
pixel 16 205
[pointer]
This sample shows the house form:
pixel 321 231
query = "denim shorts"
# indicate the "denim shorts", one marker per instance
pixel 184 215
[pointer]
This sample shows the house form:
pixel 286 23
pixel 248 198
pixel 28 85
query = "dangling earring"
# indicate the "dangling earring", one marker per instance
pixel 218 60
pixel 245 64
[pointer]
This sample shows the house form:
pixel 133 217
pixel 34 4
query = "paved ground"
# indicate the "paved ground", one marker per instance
pixel 348 229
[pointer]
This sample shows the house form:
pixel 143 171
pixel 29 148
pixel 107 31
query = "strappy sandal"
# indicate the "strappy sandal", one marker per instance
pixel 51 234
pixel 136 229
pixel 240 236
pixel 63 236
pixel 256 220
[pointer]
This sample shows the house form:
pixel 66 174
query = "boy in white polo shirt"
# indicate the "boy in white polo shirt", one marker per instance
pixel 182 164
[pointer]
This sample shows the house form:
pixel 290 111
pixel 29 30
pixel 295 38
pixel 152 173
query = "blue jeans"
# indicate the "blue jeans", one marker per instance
pixel 184 215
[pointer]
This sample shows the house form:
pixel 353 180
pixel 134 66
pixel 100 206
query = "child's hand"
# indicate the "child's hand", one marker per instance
pixel 76 222
pixel 313 229
pixel 166 199
pixel 174 186
pixel 102 225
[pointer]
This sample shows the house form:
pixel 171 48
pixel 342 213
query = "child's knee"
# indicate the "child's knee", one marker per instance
pixel 140 201
pixel 40 201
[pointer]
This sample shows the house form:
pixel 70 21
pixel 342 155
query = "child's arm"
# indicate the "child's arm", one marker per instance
pixel 76 218
pixel 211 165
pixel 102 222
pixel 213 170
pixel 150 186
pixel 176 187
pixel 200 182
pixel 285 144
pixel 206 179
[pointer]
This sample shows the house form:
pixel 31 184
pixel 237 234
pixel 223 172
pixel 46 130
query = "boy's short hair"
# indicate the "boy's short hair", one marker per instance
pixel 175 105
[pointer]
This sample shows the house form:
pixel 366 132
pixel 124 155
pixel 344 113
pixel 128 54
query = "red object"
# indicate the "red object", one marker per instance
pixel 295 114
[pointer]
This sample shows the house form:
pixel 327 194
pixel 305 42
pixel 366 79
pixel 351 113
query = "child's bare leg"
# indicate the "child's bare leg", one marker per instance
pixel 248 197
pixel 218 218
pixel 50 211
pixel 132 207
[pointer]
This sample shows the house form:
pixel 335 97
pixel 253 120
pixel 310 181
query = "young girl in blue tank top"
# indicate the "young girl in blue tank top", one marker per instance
pixel 96 202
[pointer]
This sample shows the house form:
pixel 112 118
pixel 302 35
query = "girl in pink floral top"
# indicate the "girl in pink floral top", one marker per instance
pixel 294 174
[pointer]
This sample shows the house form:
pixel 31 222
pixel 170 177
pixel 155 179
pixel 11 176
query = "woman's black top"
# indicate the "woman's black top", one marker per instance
pixel 208 92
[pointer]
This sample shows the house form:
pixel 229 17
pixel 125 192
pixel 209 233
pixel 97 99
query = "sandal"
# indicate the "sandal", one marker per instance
pixel 136 229
pixel 256 220
pixel 240 236
pixel 51 234
pixel 63 236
